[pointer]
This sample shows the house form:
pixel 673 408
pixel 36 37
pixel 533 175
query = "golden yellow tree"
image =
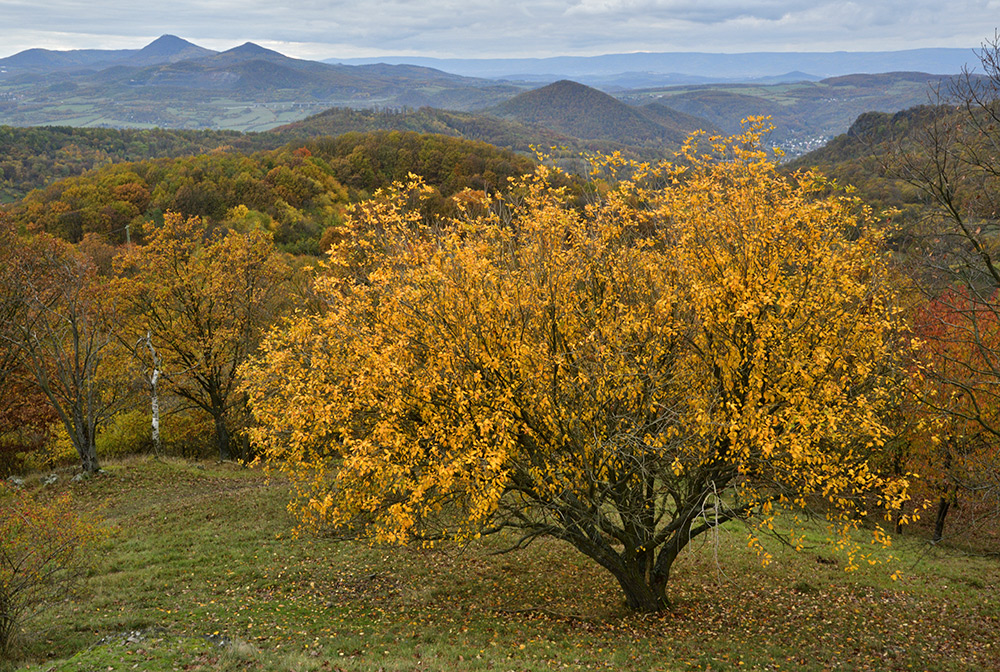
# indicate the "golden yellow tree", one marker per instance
pixel 704 342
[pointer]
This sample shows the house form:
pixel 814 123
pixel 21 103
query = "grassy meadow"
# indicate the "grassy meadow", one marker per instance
pixel 202 571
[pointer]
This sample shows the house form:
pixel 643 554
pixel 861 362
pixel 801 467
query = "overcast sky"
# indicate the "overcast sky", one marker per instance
pixel 318 29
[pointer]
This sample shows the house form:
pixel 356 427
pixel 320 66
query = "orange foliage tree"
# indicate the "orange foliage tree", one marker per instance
pixel 59 328
pixel 25 416
pixel 24 411
pixel 704 342
pixel 955 447
pixel 952 158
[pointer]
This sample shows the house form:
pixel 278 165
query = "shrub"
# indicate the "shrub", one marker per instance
pixel 19 448
pixel 189 435
pixel 44 545
pixel 55 450
pixel 127 433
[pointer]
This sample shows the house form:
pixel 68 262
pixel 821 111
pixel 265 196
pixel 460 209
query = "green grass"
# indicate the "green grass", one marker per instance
pixel 203 572
pixel 83 111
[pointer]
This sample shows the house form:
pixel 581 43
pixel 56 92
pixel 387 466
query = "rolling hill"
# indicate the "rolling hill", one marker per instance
pixel 172 83
pixel 676 121
pixel 805 114
pixel 583 112
pixel 471 126
pixel 164 49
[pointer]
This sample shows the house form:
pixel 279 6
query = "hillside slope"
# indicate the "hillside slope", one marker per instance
pixel 585 112
pixel 806 114
pixel 499 132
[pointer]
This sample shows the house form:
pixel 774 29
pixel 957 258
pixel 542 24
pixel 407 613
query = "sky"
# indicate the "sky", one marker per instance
pixel 318 29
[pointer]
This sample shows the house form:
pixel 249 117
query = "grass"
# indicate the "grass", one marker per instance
pixel 83 111
pixel 202 572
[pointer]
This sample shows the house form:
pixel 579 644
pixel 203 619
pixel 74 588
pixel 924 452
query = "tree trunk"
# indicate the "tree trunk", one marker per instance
pixel 943 505
pixel 88 460
pixel 86 448
pixel 154 380
pixel 642 595
pixel 222 437
pixel 82 435
pixel 155 412
pixel 644 587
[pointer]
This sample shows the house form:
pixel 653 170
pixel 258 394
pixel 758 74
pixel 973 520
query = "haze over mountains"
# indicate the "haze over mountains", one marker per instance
pixel 173 83
pixel 45 87
pixel 669 68
pixel 165 49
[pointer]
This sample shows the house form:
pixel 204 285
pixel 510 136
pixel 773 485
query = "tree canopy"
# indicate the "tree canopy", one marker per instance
pixel 203 301
pixel 297 192
pixel 705 341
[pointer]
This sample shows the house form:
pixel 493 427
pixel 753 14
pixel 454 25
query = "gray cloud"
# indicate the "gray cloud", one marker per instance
pixel 469 28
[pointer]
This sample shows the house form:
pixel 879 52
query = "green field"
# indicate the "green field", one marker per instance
pixel 196 113
pixel 203 572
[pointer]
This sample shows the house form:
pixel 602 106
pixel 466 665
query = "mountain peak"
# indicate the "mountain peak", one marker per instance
pixel 167 44
pixel 564 94
pixel 167 49
pixel 249 49
pixel 584 112
pixel 168 40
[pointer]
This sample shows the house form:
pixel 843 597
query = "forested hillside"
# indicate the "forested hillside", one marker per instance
pixel 806 114
pixel 468 125
pixel 34 156
pixel 584 112
pixel 670 129
pixel 297 191
pixel 864 158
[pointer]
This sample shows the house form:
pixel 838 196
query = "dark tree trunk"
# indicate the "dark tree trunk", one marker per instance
pixel 642 595
pixel 89 461
pixel 641 582
pixel 943 505
pixel 83 439
pixel 87 450
pixel 222 438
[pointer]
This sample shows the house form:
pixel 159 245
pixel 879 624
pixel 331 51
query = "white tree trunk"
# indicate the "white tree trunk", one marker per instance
pixel 154 378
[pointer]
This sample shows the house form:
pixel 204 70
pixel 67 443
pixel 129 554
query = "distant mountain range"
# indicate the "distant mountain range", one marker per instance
pixel 172 83
pixel 165 49
pixel 650 122
pixel 53 86
pixel 614 71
